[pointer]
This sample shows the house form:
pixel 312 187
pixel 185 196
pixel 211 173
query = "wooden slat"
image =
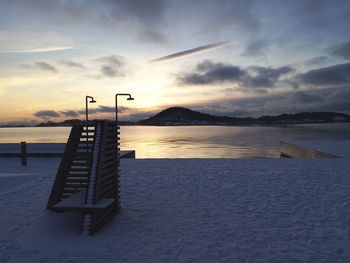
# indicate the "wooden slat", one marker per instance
pixel 74 190
pixel 103 218
pixel 87 136
pixel 110 179
pixel 76 180
pixel 108 159
pixel 78 175
pixel 108 169
pixel 82 170
pixel 76 184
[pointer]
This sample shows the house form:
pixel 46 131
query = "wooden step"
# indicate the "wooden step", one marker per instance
pixel 78 169
pixel 76 180
pixel 84 138
pixel 76 203
pixel 74 190
pixel 75 185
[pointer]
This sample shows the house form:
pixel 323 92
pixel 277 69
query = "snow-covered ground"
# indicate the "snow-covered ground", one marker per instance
pixel 189 210
pixel 33 147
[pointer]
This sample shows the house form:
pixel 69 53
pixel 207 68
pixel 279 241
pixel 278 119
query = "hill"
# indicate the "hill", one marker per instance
pixel 184 116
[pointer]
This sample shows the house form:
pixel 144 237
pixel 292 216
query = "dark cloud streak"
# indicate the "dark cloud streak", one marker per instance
pixel 70 113
pixel 112 66
pixel 332 75
pixel 72 64
pixel 256 77
pixel 42 65
pixel 208 72
pixel 342 50
pixel 192 52
pixel 46 114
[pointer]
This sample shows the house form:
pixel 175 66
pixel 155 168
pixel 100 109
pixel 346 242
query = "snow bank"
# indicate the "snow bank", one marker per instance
pixel 191 210
pixel 337 147
pixel 33 147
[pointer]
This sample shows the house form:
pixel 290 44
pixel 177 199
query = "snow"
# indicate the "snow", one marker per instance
pixel 13 175
pixel 189 210
pixel 45 148
pixel 33 147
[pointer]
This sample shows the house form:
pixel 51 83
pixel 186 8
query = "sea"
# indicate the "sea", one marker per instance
pixel 195 141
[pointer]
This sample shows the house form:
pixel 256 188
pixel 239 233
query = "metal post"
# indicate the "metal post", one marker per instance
pixel 92 100
pixel 24 153
pixel 87 119
pixel 116 110
pixel 86 109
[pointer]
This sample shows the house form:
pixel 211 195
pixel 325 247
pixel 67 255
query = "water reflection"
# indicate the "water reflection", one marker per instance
pixel 222 141
pixel 196 141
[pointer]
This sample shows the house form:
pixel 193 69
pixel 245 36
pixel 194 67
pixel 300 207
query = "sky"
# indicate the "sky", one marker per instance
pixel 223 57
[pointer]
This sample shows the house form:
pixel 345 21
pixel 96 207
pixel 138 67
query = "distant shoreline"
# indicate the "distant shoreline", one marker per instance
pixel 179 116
pixel 192 125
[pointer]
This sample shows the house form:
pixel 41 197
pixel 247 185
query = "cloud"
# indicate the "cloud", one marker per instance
pixel 332 75
pixel 113 66
pixel 302 97
pixel 72 64
pixel 217 16
pixel 132 16
pixel 24 122
pixel 70 113
pixel 46 114
pixel 192 52
pixel 104 109
pixel 37 50
pixel 330 99
pixel 141 115
pixel 316 100
pixel 146 12
pixel 255 49
pixel 265 76
pixel 208 72
pixel 342 51
pixel 109 71
pixel 123 109
pixel 103 12
pixel 45 66
pixel 42 66
pixel 107 109
pixel 317 61
pixel 154 37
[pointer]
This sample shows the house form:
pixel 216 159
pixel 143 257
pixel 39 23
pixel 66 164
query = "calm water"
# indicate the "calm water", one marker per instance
pixel 195 141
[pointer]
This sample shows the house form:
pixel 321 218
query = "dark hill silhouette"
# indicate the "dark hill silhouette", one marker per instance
pixel 184 116
pixel 306 117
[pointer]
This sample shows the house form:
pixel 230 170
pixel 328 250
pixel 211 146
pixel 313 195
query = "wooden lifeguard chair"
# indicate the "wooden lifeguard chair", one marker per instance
pixel 87 179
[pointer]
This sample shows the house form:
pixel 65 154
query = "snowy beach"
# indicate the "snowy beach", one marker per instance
pixel 187 210
pixel 159 131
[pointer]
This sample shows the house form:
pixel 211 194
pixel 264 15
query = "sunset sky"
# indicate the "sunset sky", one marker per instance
pixel 236 57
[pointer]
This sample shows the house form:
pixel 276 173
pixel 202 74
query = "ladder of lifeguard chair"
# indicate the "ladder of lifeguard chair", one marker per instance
pixel 74 170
